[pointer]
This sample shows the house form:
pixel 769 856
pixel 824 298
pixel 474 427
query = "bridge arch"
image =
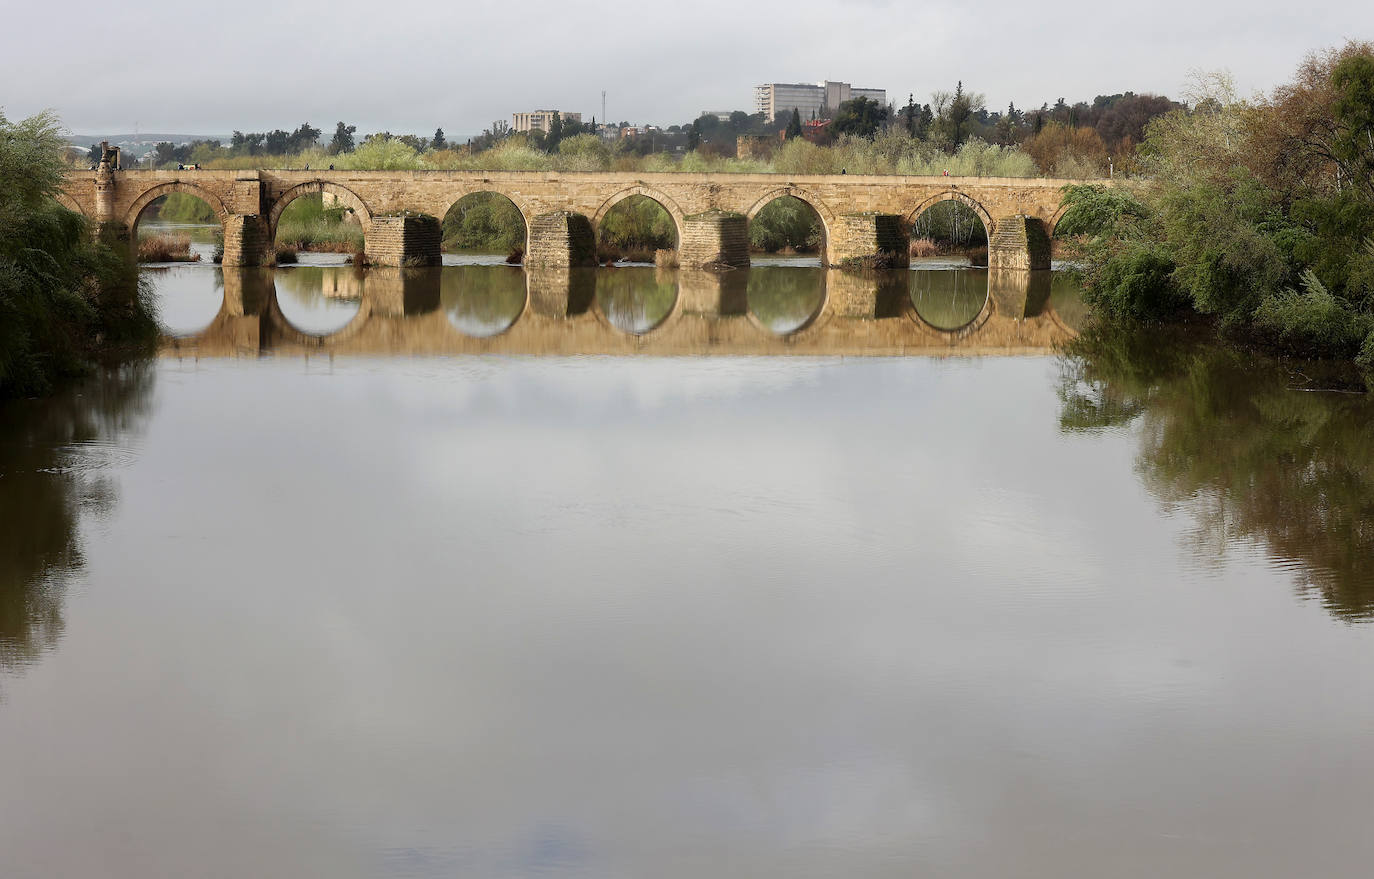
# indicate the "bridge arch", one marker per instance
pixel 823 212
pixel 343 193
pixel 151 195
pixel 521 206
pixel 664 200
pixel 952 195
pixel 69 203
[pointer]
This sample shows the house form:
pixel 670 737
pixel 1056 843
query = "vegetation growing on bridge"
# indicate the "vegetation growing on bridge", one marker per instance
pixel 66 299
pixel 1259 214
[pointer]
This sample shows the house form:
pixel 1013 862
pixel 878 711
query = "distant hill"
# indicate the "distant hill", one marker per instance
pixel 148 138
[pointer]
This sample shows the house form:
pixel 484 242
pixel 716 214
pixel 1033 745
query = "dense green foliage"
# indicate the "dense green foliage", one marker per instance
pixel 1260 214
pixel 486 222
pixel 786 223
pixel 64 297
pixel 638 225
pixel 1246 446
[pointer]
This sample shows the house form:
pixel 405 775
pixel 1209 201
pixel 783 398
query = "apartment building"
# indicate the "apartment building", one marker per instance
pixel 810 100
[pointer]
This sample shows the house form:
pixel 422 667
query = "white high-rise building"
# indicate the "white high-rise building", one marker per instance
pixel 810 100
pixel 542 120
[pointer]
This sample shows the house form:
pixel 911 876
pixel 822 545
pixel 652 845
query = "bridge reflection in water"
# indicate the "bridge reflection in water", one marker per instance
pixel 508 309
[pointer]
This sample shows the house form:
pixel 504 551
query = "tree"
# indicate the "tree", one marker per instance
pixel 278 142
pixel 63 295
pixel 555 131
pixel 794 125
pixel 303 138
pixel 343 139
pixel 438 143
pixel 860 117
pixel 694 135
pixel 953 112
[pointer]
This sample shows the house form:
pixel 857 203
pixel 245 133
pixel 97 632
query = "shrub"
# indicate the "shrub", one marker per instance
pixel 1314 321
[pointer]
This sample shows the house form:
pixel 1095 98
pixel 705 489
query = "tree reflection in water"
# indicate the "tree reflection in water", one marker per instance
pixel 636 300
pixel 1251 448
pixel 54 468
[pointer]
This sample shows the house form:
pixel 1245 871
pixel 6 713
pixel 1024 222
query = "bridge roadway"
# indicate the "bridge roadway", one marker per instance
pixel 400 313
pixel 866 219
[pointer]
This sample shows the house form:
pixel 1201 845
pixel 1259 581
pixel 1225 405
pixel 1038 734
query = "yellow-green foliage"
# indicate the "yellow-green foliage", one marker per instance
pixel 889 152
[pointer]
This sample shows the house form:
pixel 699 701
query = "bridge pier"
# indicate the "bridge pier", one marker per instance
pixel 1019 293
pixel 561 239
pixel 404 239
pixel 714 240
pixel 867 296
pixel 869 240
pixel 560 292
pixel 1019 242
pixel 401 292
pixel 245 241
pixel 715 294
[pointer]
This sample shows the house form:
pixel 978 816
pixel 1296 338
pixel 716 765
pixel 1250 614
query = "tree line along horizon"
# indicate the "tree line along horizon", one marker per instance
pixel 954 131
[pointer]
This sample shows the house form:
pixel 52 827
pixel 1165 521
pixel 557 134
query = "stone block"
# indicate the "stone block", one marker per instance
pixel 561 239
pixel 714 240
pixel 869 240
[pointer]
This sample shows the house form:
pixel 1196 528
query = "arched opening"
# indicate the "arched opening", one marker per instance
pixel 949 230
pixel 637 229
pixel 485 227
pixel 789 231
pixel 319 300
pixel 637 299
pixel 176 227
pixel 188 298
pixel 784 299
pixel 317 228
pixel 483 300
pixel 950 298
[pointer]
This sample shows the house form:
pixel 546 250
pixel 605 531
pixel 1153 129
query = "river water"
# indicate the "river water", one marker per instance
pixel 481 572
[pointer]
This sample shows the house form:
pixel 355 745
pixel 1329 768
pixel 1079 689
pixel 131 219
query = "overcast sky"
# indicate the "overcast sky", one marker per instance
pixel 410 65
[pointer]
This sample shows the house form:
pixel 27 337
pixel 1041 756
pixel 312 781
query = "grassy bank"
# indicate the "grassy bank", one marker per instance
pixel 1257 214
pixel 67 299
pixel 166 248
pixel 308 225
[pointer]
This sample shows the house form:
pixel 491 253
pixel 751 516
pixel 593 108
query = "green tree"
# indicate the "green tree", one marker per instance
pixel 438 142
pixel 555 132
pixel 64 296
pixel 860 117
pixel 343 139
pixel 953 112
pixel 794 125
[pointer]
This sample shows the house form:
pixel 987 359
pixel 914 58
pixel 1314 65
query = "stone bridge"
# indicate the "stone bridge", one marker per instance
pixel 563 312
pixel 865 219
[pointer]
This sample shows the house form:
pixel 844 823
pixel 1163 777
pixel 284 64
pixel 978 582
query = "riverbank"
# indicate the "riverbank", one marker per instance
pixel 67 300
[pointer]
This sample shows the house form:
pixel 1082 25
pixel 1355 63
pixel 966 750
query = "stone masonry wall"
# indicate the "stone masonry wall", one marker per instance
pixel 561 239
pixel 406 240
pixel 714 240
pixel 869 241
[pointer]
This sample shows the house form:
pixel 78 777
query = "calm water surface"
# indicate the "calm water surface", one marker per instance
pixel 1105 613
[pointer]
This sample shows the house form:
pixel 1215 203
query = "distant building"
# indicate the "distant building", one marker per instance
pixel 722 115
pixel 810 100
pixel 542 120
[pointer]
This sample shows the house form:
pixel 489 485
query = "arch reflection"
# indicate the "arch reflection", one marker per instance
pixel 636 300
pixel 949 300
pixel 319 300
pixel 483 301
pixel 786 300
